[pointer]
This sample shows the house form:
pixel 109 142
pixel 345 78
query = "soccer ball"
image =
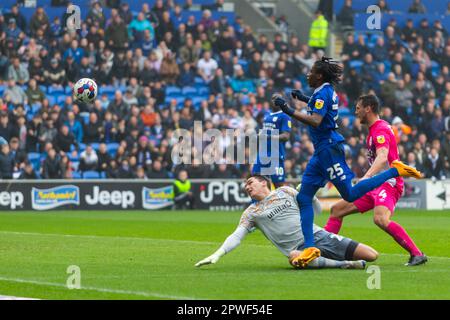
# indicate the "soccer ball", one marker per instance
pixel 85 90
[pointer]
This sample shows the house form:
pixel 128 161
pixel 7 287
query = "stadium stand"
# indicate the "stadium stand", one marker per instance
pixel 140 93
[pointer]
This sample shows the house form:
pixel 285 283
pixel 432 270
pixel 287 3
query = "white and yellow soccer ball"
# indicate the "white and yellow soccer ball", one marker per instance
pixel 85 90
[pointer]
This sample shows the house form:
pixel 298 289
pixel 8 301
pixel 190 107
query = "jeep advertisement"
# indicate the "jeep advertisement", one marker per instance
pixel 117 195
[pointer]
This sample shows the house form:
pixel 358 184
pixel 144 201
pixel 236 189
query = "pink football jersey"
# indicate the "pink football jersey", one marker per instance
pixel 381 135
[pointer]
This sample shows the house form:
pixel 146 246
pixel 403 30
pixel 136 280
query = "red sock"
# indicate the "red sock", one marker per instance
pixel 401 236
pixel 333 225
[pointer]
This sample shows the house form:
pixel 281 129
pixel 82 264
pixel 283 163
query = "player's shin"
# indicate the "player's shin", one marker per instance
pixel 322 262
pixel 307 216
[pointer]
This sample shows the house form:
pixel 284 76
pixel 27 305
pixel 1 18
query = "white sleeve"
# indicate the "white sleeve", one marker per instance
pixel 234 239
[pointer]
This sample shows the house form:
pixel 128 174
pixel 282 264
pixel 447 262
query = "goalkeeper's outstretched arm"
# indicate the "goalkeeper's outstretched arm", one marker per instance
pixel 230 243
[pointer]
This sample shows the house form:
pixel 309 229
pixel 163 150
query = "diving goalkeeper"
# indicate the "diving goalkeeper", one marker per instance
pixel 275 213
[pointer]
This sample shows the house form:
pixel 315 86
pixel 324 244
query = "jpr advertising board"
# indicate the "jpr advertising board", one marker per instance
pixel 213 195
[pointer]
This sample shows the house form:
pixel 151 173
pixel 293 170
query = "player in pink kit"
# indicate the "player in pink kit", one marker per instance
pixel 382 151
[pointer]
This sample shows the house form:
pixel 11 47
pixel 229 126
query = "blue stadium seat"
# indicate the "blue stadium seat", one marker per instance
pixel 76 175
pixel 60 99
pixel 51 100
pixel 68 90
pixel 356 64
pixel 187 91
pixel 203 90
pixel 108 90
pixel 85 117
pixel 199 81
pixel 55 90
pixel 35 159
pixel 95 145
pixel 43 88
pixel 173 91
pixel 91 175
pixel 81 147
pixel 112 148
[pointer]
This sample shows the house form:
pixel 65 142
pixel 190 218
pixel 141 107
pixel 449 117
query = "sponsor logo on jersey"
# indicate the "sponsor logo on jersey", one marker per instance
pixel 158 198
pixel 290 124
pixel 44 199
pixel 319 104
pixel 381 139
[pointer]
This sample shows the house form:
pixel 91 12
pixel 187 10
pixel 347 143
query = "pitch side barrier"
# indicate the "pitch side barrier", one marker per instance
pixel 211 194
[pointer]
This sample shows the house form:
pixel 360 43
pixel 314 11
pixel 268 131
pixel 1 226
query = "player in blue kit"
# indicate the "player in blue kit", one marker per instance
pixel 276 125
pixel 328 162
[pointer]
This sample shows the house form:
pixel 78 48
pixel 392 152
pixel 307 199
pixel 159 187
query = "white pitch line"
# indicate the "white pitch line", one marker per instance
pixel 164 240
pixel 106 290
pixel 15 298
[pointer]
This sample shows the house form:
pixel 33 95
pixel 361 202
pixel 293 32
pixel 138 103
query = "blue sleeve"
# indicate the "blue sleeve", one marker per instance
pixel 286 124
pixel 320 104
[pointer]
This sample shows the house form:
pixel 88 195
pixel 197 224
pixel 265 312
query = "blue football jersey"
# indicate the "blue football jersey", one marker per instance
pixel 277 121
pixel 325 102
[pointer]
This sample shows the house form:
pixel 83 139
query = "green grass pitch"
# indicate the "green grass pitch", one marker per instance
pixel 151 255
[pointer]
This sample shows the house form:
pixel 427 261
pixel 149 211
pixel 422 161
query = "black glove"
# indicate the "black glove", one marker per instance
pixel 298 94
pixel 283 105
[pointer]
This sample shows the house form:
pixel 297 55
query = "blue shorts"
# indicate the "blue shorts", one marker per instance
pixel 328 165
pixel 278 175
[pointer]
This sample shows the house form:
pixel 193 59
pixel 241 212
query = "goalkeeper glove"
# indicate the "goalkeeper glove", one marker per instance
pixel 298 94
pixel 283 105
pixel 212 258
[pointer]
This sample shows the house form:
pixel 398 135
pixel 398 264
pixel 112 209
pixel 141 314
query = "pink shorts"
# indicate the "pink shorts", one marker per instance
pixel 386 195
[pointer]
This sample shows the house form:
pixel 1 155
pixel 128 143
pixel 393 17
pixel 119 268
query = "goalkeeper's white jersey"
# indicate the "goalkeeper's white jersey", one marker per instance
pixel 278 218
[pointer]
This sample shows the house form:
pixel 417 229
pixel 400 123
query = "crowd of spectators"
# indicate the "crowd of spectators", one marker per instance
pixel 146 53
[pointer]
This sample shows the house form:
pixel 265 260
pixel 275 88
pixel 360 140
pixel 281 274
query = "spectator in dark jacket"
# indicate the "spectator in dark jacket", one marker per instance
pixel 64 140
pixel 52 166
pixel 28 172
pixel 434 165
pixel 6 160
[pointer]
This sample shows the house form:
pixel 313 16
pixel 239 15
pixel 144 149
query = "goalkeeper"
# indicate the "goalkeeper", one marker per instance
pixel 275 213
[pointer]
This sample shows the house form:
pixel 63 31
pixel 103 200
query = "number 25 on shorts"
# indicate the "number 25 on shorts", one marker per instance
pixel 336 171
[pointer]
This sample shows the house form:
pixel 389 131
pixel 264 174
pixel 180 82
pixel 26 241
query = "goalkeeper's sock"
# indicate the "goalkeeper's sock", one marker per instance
pixel 402 238
pixel 321 262
pixel 333 225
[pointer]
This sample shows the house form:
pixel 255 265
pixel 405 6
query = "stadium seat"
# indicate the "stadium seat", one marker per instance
pixel 108 90
pixel 35 159
pixel 76 175
pixel 51 100
pixel 203 90
pixel 356 64
pixel 85 116
pixel 173 91
pixel 91 175
pixel 60 99
pixel 188 91
pixel 95 145
pixel 43 88
pixel 112 148
pixel 55 90
pixel 199 80
pixel 68 90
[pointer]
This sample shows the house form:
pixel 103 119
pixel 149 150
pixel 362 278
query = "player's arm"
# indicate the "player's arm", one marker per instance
pixel 314 120
pixel 230 243
pixel 380 162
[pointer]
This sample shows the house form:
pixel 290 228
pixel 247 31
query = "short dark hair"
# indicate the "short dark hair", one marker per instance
pixel 370 100
pixel 261 178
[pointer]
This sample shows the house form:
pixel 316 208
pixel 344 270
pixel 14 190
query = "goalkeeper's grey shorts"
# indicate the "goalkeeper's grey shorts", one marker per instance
pixel 333 246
